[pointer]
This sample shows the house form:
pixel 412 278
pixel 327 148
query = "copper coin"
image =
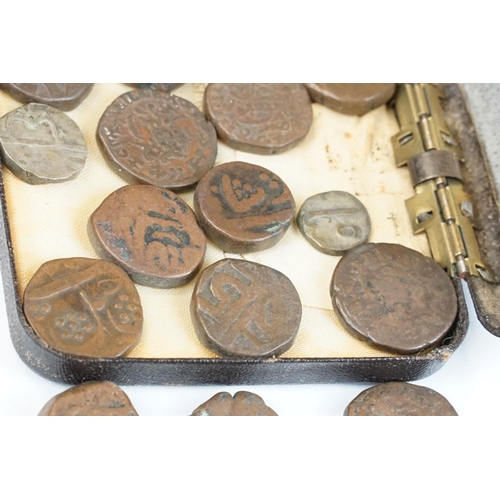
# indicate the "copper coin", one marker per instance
pixel 399 399
pixel 351 98
pixel 242 404
pixel 158 138
pixel 393 297
pixel 263 118
pixel 63 96
pixel 164 87
pixel 244 309
pixel 85 307
pixel 243 207
pixel 90 399
pixel 151 233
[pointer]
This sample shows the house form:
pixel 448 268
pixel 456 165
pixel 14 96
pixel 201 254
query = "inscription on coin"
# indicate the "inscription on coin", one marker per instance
pixel 263 118
pixel 243 207
pixel 159 138
pixel 393 297
pixel 84 307
pixel 245 309
pixel 242 404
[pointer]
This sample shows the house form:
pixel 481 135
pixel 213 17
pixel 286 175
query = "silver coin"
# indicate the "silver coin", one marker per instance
pixel 40 144
pixel 334 222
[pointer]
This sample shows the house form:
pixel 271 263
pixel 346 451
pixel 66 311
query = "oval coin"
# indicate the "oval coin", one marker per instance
pixel 242 404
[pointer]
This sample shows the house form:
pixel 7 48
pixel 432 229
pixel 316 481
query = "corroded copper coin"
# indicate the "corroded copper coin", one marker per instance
pixel 243 207
pixel 351 98
pixel 63 96
pixel 151 233
pixel 399 399
pixel 393 297
pixel 159 138
pixel 263 118
pixel 242 404
pixel 164 87
pixel 90 399
pixel 85 307
pixel 241 308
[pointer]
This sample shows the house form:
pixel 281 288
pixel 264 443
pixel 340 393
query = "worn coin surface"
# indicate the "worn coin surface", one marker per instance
pixel 243 207
pixel 393 297
pixel 40 144
pixel 63 96
pixel 351 98
pixel 90 399
pixel 244 309
pixel 158 138
pixel 242 404
pixel 164 87
pixel 399 399
pixel 85 307
pixel 151 233
pixel 334 222
pixel 263 118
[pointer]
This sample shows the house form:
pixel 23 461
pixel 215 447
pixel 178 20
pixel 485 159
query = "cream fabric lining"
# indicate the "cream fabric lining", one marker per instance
pixel 339 153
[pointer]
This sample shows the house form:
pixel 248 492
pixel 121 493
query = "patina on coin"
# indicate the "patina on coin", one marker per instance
pixel 90 399
pixel 393 297
pixel 164 87
pixel 244 309
pixel 243 207
pixel 263 118
pixel 63 96
pixel 158 138
pixel 85 307
pixel 40 144
pixel 151 233
pixel 351 98
pixel 334 222
pixel 399 399
pixel 242 404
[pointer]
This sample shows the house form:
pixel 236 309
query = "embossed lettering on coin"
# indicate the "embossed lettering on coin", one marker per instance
pixel 393 297
pixel 84 307
pixel 242 404
pixel 243 207
pixel 263 118
pixel 241 308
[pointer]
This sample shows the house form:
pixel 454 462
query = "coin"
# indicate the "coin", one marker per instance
pixel 164 87
pixel 393 297
pixel 40 144
pixel 90 399
pixel 334 222
pixel 395 399
pixel 351 98
pixel 151 233
pixel 158 138
pixel 242 404
pixel 85 307
pixel 263 118
pixel 63 96
pixel 244 309
pixel 243 207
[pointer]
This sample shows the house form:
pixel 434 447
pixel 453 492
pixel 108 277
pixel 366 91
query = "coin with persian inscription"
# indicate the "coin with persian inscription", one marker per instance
pixel 63 96
pixel 85 307
pixel 40 144
pixel 393 297
pixel 243 207
pixel 164 87
pixel 242 404
pixel 244 309
pixel 263 118
pixel 158 138
pixel 151 233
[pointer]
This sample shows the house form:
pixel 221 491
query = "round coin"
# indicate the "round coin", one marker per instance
pixel 334 222
pixel 151 233
pixel 40 144
pixel 244 309
pixel 393 297
pixel 351 98
pixel 158 138
pixel 399 399
pixel 164 87
pixel 263 118
pixel 85 307
pixel 243 207
pixel 242 404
